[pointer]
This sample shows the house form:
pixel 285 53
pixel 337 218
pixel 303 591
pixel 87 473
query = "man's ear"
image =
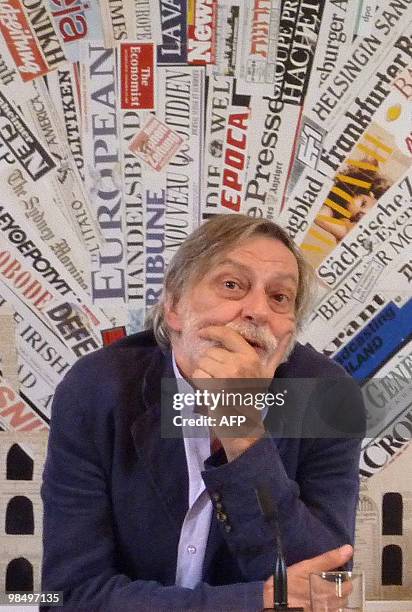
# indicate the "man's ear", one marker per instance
pixel 172 312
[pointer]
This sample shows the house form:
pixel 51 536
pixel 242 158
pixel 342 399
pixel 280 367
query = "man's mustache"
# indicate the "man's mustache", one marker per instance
pixel 256 336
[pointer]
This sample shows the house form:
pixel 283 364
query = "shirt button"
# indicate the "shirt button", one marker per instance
pixel 191 549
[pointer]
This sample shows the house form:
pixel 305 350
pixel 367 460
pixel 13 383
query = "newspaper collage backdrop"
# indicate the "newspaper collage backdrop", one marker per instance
pixel 126 123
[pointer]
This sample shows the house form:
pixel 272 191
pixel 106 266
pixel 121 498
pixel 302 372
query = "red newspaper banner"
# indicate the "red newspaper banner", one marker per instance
pixel 201 28
pixel 235 159
pixel 111 335
pixel 22 44
pixel 15 413
pixel 137 75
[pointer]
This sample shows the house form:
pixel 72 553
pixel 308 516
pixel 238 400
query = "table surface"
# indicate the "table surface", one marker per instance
pixel 371 606
pixel 389 606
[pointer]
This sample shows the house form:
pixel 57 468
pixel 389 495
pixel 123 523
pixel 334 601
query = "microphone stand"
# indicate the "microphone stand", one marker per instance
pixel 280 578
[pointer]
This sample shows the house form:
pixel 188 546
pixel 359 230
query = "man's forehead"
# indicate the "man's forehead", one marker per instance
pixel 245 254
pixel 269 245
pixel 279 274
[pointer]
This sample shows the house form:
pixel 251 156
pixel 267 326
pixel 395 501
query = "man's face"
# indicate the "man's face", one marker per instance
pixel 252 289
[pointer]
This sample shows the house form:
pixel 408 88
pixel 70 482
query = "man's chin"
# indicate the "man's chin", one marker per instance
pixel 195 347
pixel 267 356
pixel 264 355
pixel 289 349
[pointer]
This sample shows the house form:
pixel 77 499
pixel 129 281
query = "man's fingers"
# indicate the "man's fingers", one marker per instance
pixel 229 338
pixel 199 373
pixel 329 561
pixel 210 366
pixel 219 354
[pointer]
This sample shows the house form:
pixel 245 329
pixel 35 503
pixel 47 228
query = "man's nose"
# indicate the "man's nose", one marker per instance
pixel 255 306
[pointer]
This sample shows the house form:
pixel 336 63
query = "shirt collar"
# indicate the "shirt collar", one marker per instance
pixel 196 441
pixel 182 384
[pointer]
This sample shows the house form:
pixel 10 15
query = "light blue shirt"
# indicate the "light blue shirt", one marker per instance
pixel 196 525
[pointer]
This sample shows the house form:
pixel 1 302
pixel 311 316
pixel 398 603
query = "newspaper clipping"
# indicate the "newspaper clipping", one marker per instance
pixel 124 125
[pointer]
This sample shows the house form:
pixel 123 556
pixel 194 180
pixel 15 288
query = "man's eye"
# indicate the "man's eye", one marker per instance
pixel 230 284
pixel 281 298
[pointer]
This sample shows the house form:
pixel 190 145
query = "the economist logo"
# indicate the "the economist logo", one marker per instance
pixel 137 75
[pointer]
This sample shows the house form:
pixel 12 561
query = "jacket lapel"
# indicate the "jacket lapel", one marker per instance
pixel 162 457
pixel 164 461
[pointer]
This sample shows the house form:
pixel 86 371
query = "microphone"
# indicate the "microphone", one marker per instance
pixel 268 508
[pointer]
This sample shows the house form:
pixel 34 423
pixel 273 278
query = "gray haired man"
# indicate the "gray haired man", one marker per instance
pixel 173 523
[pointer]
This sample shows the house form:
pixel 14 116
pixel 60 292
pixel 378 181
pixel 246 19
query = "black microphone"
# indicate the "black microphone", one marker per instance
pixel 268 508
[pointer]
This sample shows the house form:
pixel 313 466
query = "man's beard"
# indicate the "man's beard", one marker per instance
pixel 258 336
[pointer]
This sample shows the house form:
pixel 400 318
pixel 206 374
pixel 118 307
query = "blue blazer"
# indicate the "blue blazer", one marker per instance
pixel 115 491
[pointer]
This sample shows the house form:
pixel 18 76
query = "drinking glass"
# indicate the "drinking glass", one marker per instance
pixel 337 592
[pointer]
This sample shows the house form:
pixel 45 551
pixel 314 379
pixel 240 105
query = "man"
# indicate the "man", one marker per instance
pixel 135 520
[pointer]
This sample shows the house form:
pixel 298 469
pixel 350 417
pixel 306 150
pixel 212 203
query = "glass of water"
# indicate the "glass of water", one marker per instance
pixel 337 592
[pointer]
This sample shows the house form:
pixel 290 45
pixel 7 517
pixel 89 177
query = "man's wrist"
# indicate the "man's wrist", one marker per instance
pixel 234 447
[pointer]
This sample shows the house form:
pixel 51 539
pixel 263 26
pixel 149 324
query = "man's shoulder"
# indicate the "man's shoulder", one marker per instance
pixel 124 359
pixel 121 378
pixel 306 362
pixel 330 398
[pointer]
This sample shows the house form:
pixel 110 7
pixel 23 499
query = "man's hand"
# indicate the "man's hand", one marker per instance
pixel 236 359
pixel 298 579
